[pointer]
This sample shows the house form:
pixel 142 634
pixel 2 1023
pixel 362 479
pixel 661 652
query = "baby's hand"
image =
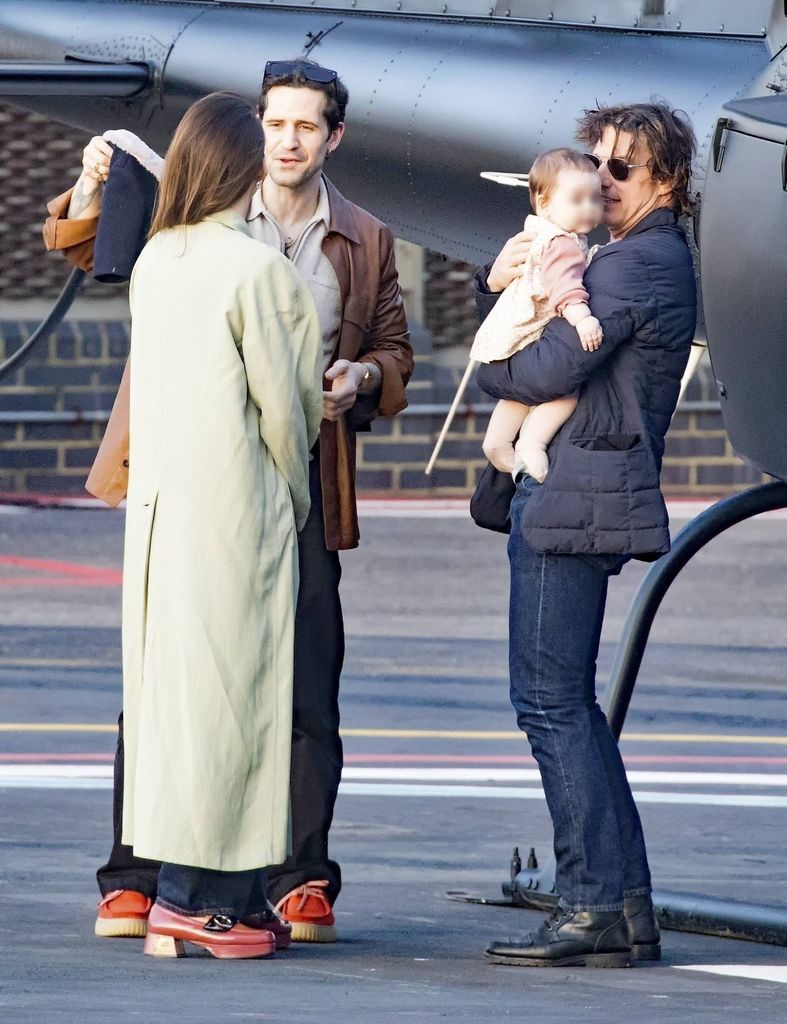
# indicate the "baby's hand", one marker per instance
pixel 590 333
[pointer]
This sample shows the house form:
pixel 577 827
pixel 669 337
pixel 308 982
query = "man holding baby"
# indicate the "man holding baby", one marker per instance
pixel 607 369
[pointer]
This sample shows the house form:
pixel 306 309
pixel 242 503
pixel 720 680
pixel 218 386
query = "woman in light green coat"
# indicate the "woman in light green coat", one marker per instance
pixel 226 401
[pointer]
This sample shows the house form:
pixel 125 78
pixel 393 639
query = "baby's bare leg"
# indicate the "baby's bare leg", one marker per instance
pixel 504 425
pixel 540 427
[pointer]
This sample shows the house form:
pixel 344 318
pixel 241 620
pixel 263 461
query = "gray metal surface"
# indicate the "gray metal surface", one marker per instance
pixel 744 279
pixel 434 101
pixel 706 17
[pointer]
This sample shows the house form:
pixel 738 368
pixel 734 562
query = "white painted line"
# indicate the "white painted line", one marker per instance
pixel 759 972
pixel 55 771
pixel 432 775
pixel 52 782
pixel 74 776
pixel 517 793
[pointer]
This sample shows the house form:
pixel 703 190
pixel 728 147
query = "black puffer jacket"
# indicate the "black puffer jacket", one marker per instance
pixel 602 494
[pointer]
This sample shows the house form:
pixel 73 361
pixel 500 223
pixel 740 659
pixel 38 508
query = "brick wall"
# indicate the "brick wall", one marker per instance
pixel 77 372
pixel 40 159
pixel 699 461
pixel 75 375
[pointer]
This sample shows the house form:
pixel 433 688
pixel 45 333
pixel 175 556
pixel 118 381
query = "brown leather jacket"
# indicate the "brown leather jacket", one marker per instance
pixel 374 330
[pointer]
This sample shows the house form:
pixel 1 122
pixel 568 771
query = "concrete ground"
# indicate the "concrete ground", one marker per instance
pixel 438 788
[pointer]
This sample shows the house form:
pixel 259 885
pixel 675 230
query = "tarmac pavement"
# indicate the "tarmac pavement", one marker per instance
pixel 438 788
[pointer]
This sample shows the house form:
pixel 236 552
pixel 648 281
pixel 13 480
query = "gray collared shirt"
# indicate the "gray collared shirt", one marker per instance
pixel 307 255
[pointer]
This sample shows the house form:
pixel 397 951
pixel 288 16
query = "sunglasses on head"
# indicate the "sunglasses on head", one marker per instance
pixel 284 68
pixel 617 166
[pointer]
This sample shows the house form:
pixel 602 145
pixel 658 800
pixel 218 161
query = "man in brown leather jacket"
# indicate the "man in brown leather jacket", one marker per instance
pixel 347 258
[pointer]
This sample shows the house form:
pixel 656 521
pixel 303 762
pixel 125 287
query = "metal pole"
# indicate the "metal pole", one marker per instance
pixel 74 78
pixel 691 539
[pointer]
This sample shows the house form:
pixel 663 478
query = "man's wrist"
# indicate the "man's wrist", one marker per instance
pixel 369 377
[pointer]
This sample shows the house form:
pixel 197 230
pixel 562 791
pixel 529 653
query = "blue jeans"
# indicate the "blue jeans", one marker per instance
pixel 556 613
pixel 201 892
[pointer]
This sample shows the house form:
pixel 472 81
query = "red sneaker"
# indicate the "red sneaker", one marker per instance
pixel 309 911
pixel 123 913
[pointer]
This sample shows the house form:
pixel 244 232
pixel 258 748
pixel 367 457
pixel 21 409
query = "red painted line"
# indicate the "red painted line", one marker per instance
pixel 58 574
pixel 52 566
pixel 482 759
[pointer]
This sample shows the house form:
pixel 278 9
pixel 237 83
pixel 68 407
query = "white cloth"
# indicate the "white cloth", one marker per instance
pixel 520 315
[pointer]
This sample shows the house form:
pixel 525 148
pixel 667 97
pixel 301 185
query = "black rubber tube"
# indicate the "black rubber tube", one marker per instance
pixel 691 539
pixel 50 324
pixel 726 919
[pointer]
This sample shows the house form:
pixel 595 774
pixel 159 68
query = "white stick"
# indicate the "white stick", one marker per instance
pixel 697 352
pixel 451 413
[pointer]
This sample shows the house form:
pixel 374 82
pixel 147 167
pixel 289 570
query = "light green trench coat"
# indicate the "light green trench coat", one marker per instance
pixel 226 401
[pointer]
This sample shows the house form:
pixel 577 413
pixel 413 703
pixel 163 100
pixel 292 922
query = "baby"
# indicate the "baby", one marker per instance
pixel 565 193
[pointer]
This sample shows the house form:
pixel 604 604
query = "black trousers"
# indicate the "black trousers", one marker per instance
pixel 316 746
pixel 202 893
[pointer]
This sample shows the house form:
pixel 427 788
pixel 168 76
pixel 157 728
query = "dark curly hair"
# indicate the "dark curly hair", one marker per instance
pixel 335 92
pixel 667 132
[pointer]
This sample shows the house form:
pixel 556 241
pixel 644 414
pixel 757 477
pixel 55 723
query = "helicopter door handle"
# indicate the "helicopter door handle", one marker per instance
pixel 718 148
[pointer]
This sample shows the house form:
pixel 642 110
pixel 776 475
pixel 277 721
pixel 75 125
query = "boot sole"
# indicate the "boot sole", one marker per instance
pixel 585 960
pixel 121 928
pixel 160 945
pixel 303 931
pixel 646 951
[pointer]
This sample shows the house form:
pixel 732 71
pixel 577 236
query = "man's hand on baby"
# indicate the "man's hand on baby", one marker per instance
pixel 590 333
pixel 510 261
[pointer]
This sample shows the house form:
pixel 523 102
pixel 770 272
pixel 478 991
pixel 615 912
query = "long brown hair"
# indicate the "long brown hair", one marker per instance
pixel 214 158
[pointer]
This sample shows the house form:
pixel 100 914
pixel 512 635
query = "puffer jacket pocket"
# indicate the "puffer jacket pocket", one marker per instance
pixel 614 469
pixel 607 486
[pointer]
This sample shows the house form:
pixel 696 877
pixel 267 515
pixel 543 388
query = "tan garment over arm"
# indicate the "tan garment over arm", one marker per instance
pixel 74 238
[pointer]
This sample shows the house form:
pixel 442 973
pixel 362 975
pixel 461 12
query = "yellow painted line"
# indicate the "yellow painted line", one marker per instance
pixel 439 734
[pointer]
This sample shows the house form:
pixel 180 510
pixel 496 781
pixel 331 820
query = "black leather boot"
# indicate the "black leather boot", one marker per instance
pixel 643 927
pixel 578 938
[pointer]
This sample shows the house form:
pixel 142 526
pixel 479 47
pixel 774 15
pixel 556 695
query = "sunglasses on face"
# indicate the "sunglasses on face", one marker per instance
pixel 283 68
pixel 617 166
